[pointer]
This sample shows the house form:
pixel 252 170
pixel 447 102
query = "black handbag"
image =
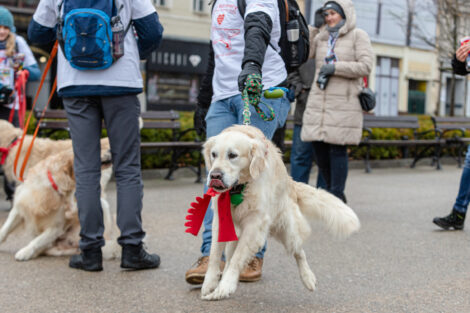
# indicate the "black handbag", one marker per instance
pixel 367 98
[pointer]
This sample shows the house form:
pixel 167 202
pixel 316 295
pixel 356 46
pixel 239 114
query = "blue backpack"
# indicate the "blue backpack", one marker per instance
pixel 85 32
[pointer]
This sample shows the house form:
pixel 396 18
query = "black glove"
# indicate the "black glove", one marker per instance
pixel 200 120
pixel 319 19
pixel 327 70
pixel 248 68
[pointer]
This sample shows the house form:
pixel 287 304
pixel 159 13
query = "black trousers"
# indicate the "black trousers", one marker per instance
pixel 120 114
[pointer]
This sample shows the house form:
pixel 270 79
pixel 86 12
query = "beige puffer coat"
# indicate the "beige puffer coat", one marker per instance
pixel 334 115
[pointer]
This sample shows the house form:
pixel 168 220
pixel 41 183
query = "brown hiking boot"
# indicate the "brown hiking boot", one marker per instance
pixel 252 271
pixel 195 275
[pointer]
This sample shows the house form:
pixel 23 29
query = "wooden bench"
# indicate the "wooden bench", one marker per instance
pixel 456 125
pixel 55 120
pixel 401 122
pixel 397 122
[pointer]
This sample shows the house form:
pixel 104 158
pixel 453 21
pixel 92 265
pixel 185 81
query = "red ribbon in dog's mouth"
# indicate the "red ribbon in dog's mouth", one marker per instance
pixel 198 209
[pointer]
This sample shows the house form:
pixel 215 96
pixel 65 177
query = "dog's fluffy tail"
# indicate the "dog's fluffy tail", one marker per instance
pixel 339 218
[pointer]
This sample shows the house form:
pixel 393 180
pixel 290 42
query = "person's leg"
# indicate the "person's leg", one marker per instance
pixel 5 115
pixel 125 150
pixel 84 117
pixel 463 196
pixel 321 152
pixel 456 218
pixel 338 170
pixel 301 157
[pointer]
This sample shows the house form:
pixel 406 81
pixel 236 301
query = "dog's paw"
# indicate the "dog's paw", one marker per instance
pixel 309 280
pixel 24 254
pixel 208 288
pixel 223 291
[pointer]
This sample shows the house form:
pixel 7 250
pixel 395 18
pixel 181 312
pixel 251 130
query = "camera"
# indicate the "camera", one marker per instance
pixel 322 81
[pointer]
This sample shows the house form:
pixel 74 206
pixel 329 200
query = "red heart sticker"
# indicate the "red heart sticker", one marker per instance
pixel 220 18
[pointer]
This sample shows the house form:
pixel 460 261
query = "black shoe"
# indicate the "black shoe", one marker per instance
pixel 89 260
pixel 455 219
pixel 135 257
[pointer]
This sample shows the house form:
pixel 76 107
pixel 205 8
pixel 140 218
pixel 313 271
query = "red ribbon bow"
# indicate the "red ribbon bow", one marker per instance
pixel 198 209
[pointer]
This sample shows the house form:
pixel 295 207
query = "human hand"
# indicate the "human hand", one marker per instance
pixel 462 52
pixel 248 68
pixel 319 19
pixel 200 120
pixel 327 70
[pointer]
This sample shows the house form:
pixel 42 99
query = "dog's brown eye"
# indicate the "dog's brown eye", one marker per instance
pixel 232 155
pixel 214 155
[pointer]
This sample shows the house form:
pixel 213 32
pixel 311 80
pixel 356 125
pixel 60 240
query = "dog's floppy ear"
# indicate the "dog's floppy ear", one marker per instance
pixel 207 152
pixel 258 158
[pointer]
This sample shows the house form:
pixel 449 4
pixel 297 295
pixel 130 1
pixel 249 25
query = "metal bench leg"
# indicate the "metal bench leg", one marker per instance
pixel 199 168
pixel 437 157
pixel 173 165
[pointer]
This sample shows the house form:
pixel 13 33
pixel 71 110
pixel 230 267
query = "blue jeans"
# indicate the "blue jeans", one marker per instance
pixel 301 159
pixel 333 163
pixel 463 197
pixel 225 113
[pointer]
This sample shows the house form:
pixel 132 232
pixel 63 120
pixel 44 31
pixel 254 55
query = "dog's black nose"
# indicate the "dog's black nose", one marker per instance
pixel 216 175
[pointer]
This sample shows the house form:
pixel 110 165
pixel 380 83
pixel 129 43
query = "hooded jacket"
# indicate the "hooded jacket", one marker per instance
pixel 334 115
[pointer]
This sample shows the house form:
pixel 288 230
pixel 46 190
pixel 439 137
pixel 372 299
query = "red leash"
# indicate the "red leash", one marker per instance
pixel 51 179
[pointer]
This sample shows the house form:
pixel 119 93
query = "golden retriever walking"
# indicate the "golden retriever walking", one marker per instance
pixel 273 204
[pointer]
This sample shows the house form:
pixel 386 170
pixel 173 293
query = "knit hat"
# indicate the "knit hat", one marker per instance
pixel 6 19
pixel 332 5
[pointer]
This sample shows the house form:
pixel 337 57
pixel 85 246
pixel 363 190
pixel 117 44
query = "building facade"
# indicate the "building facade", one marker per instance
pixel 405 74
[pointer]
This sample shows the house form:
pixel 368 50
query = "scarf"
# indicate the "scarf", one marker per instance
pixel 334 34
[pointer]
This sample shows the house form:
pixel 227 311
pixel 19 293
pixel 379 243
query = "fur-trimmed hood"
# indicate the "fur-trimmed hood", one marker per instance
pixel 349 12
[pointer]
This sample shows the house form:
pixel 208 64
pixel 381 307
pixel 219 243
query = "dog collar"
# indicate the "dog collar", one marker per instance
pixel 198 210
pixel 236 194
pixel 4 151
pixel 51 179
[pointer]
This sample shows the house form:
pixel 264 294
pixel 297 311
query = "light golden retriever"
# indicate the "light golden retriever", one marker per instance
pixel 42 148
pixel 273 204
pixel 49 211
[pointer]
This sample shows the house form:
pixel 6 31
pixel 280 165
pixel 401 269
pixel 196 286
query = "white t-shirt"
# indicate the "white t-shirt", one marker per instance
pixel 7 73
pixel 227 36
pixel 123 73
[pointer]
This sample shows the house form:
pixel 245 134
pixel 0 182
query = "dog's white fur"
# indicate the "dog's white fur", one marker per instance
pixel 51 215
pixel 273 204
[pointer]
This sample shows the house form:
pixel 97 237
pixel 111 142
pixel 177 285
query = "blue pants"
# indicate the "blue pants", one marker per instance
pixel 84 115
pixel 463 197
pixel 225 113
pixel 333 163
pixel 301 159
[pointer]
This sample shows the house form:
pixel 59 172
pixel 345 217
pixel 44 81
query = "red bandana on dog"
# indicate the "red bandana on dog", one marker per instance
pixel 198 209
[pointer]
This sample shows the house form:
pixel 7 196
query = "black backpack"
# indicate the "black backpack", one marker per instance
pixel 295 53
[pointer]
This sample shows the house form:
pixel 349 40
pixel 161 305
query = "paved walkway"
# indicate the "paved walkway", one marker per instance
pixel 399 262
